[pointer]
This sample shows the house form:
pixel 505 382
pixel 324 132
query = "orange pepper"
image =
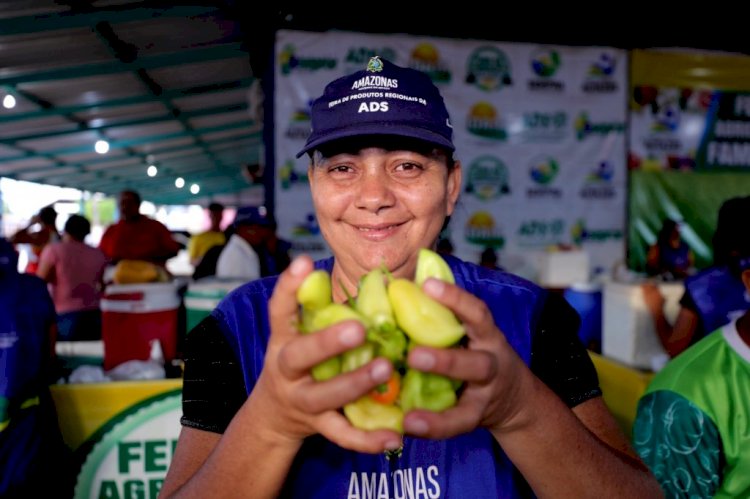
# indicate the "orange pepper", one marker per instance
pixel 387 393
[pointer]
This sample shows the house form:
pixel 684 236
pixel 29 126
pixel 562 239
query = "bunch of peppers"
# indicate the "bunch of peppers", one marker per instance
pixel 396 315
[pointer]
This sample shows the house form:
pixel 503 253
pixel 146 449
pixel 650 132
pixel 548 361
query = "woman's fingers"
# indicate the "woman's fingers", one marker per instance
pixel 475 366
pixel 469 309
pixel 297 357
pixel 319 396
pixel 283 307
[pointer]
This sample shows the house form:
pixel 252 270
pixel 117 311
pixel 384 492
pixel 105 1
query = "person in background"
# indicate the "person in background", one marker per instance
pixel 136 236
pixel 45 233
pixel 199 244
pixel 33 458
pixel 714 295
pixel 253 250
pixel 488 259
pixel 530 414
pixel 75 271
pixel 670 257
pixel 691 425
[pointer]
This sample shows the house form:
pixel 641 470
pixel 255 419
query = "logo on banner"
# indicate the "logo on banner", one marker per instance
pixel 584 127
pixel 132 458
pixel 487 178
pixel 541 232
pixel 289 176
pixel 489 69
pixel 545 63
pixel 484 121
pixel 541 126
pixel 426 58
pixel 356 57
pixel 582 234
pixel 480 229
pixel 305 236
pixel 598 184
pixel 299 125
pixel 600 75
pixel 289 62
pixel 543 170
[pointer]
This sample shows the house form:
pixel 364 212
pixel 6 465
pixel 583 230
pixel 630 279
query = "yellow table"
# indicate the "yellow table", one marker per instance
pixel 123 434
pixel 622 387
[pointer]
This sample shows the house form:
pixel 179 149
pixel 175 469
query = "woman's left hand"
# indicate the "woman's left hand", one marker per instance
pixel 492 372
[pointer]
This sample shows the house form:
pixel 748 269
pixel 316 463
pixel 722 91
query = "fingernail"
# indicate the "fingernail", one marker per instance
pixel 434 287
pixel 422 359
pixel 350 336
pixel 297 266
pixel 415 426
pixel 380 372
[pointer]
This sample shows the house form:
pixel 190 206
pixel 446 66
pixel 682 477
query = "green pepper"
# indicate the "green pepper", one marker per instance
pixel 431 264
pixel 424 320
pixel 357 357
pixel 366 414
pixel 331 314
pixel 390 342
pixel 420 390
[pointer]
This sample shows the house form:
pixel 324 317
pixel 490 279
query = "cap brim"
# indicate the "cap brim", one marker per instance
pixel 379 129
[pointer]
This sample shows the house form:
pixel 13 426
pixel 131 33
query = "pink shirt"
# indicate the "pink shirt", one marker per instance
pixel 75 275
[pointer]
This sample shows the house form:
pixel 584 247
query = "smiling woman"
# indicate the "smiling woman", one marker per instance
pixel 257 422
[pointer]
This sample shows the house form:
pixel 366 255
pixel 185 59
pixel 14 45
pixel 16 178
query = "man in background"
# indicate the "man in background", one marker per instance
pixel 200 243
pixel 254 250
pixel 136 236
pixel 39 237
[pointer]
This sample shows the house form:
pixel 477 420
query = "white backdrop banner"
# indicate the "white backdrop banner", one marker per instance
pixel 538 128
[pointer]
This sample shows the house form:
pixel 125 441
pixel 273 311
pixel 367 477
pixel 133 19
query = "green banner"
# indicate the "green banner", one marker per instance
pixel 693 198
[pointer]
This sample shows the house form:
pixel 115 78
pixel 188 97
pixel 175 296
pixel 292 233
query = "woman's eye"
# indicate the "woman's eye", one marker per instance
pixel 409 168
pixel 339 169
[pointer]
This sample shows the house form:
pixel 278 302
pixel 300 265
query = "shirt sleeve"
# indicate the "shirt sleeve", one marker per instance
pixel 213 389
pixel 559 358
pixel 680 444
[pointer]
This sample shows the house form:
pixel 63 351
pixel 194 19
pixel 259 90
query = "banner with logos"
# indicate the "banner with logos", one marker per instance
pixel 539 130
pixel 689 145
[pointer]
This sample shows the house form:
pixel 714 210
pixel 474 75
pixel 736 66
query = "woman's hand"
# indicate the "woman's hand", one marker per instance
pixel 294 405
pixel 492 372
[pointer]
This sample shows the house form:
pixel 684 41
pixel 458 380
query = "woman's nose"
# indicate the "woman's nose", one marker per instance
pixel 375 192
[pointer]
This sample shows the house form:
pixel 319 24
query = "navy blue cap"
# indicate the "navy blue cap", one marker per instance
pixel 383 99
pixel 253 215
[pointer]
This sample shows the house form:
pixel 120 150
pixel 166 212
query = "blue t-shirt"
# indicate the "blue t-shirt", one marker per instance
pixel 470 465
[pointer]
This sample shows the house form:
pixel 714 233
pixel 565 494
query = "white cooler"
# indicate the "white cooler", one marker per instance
pixel 628 332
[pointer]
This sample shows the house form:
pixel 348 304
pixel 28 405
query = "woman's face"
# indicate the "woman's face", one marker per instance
pixel 378 205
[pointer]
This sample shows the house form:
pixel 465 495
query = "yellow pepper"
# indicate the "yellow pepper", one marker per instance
pixel 431 264
pixel 420 390
pixel 366 414
pixel 331 314
pixel 424 320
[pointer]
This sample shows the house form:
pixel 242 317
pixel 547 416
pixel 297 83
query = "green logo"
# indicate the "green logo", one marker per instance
pixel 585 127
pixel 289 62
pixel 489 69
pixel 487 178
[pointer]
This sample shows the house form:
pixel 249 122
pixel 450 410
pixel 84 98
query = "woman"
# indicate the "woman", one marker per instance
pixel 670 257
pixel 74 271
pixel 383 181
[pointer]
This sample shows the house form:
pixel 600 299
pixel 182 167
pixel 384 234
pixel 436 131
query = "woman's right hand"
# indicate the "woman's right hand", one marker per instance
pixel 293 405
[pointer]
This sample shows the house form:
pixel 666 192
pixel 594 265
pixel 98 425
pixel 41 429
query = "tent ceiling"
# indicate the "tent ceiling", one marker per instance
pixel 168 86
pixel 172 83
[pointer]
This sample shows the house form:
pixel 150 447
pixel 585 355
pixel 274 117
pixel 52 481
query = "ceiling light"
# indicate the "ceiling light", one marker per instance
pixel 101 146
pixel 151 171
pixel 195 188
pixel 179 183
pixel 9 102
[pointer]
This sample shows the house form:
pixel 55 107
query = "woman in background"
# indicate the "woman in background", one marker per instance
pixel 74 271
